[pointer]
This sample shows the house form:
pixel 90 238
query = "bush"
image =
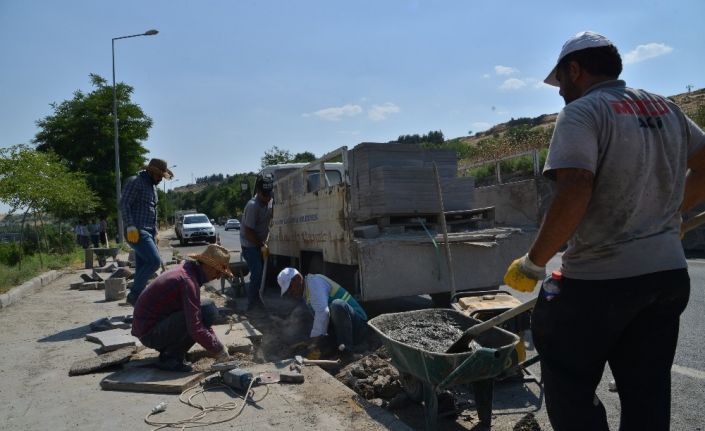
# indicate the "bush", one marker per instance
pixel 9 254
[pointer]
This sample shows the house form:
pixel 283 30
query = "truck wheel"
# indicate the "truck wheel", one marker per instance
pixel 182 242
pixel 441 300
pixel 211 240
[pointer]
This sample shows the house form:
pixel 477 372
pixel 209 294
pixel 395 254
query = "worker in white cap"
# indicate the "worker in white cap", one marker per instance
pixel 330 303
pixel 626 164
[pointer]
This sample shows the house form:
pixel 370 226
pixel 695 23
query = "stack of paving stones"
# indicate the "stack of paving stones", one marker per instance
pixel 96 280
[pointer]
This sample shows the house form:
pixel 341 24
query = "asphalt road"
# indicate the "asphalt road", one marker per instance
pixel 688 372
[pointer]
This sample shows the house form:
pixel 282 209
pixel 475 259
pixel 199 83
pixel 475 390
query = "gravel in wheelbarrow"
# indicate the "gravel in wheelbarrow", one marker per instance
pixel 417 341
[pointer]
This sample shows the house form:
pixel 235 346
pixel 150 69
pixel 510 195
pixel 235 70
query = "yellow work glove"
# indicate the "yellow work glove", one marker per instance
pixel 133 235
pixel 523 274
pixel 265 252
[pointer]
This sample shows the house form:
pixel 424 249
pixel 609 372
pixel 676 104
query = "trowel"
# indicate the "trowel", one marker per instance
pixel 461 344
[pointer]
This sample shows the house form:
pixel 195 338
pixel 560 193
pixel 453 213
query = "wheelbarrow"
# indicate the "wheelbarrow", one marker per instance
pixel 434 370
pixel 101 253
pixel 237 283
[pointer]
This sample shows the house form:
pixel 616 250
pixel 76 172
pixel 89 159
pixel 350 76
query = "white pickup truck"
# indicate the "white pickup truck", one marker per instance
pixel 196 227
pixel 374 223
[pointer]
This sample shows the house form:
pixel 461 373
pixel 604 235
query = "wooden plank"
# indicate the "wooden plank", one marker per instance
pixel 89 365
pixel 150 380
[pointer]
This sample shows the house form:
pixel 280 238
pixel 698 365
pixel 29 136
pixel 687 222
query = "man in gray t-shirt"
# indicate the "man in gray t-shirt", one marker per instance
pixel 254 231
pixel 626 164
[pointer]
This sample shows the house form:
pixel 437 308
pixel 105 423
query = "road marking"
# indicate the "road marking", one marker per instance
pixel 690 372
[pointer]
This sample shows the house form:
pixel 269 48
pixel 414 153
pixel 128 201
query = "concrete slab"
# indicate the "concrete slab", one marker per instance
pixel 321 402
pixel 89 365
pixel 93 285
pixel 150 380
pixel 113 339
pixel 235 340
pixel 248 330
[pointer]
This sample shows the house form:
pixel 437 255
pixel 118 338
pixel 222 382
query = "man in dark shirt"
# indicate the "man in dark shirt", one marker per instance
pixel 254 231
pixel 138 205
pixel 169 315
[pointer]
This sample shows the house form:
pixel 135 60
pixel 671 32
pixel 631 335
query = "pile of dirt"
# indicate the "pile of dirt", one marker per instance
pixel 375 379
pixel 527 423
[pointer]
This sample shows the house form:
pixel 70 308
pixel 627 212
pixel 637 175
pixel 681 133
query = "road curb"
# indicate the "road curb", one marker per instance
pixel 28 287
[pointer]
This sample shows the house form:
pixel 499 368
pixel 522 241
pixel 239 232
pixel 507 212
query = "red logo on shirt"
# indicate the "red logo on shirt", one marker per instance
pixel 648 111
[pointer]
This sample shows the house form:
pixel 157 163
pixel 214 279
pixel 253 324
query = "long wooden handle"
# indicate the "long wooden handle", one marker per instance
pixel 693 222
pixel 320 362
pixel 473 331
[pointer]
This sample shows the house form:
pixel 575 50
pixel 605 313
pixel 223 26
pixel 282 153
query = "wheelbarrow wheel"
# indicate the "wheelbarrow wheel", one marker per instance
pixel 412 386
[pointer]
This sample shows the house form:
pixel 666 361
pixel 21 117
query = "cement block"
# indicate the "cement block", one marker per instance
pixel 236 340
pixel 93 285
pixel 113 339
pixel 150 380
pixel 76 285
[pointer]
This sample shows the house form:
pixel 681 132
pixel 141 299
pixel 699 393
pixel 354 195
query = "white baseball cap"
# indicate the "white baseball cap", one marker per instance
pixel 284 278
pixel 582 40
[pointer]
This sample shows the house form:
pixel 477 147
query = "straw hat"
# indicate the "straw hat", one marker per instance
pixel 216 257
pixel 160 166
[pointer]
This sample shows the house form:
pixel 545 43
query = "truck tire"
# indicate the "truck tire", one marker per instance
pixel 211 240
pixel 182 242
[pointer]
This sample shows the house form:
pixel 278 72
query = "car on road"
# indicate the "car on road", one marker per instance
pixel 232 223
pixel 197 227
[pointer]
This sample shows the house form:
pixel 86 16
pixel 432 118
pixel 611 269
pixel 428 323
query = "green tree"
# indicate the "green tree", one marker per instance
pixel 39 183
pixel 304 157
pixel 275 156
pixel 80 130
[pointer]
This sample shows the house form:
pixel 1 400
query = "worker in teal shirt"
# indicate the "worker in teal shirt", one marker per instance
pixel 330 303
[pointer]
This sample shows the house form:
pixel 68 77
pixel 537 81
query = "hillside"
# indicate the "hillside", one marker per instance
pixel 522 134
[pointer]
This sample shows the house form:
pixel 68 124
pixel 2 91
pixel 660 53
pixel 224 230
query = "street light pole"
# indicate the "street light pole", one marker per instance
pixel 116 137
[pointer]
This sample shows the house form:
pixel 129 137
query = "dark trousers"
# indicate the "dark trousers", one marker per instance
pixel 170 336
pixel 630 323
pixel 253 257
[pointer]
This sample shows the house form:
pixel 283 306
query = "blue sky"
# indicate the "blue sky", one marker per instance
pixel 224 81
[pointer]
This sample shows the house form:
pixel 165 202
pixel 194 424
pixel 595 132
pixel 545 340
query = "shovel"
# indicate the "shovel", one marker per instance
pixel 461 345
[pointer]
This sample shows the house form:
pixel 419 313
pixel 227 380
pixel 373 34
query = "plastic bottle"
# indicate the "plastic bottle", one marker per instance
pixel 552 285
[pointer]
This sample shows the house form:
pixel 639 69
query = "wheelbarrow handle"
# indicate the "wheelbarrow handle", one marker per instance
pixel 461 344
pixel 693 222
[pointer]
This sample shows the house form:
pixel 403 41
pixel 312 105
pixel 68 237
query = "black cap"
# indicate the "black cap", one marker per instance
pixel 264 184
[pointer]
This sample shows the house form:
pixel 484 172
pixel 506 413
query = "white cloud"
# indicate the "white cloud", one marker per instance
pixel 645 52
pixel 505 70
pixel 380 112
pixel 336 113
pixel 486 76
pixel 512 84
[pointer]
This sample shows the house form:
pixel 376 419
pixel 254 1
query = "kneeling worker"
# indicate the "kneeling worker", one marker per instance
pixel 170 317
pixel 329 303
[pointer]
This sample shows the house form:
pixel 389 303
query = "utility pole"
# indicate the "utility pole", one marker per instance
pixel 689 87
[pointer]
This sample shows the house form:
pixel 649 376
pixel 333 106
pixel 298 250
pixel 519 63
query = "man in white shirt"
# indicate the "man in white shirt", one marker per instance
pixel 330 303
